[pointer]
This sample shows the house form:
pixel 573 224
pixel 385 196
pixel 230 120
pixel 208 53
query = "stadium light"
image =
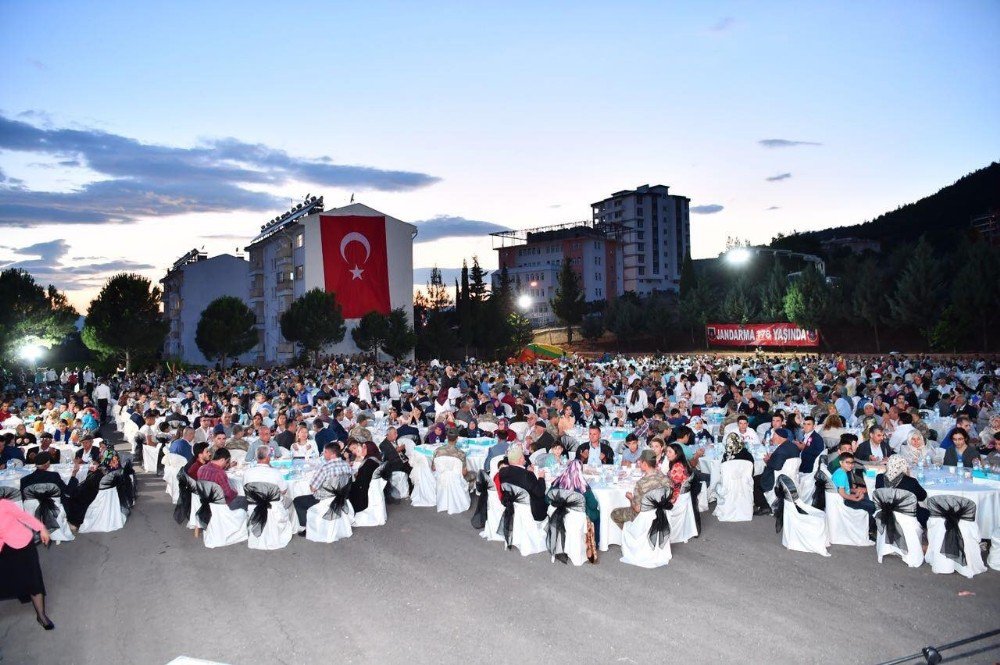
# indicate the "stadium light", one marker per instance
pixel 31 353
pixel 524 302
pixel 738 256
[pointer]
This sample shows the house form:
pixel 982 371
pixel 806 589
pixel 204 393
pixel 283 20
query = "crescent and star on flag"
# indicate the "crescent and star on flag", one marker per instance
pixel 359 238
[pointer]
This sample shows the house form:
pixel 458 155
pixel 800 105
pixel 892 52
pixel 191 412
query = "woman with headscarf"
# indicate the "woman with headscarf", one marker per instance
pixel 735 449
pixel 437 433
pixel 504 432
pixel 916 450
pixel 897 476
pixel 76 504
pixel 572 479
pixel 367 453
pixel 699 433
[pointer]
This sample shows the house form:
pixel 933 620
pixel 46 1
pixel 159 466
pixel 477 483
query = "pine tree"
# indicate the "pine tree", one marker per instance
pixel 918 291
pixel 568 304
pixel 772 294
pixel 807 300
pixel 868 301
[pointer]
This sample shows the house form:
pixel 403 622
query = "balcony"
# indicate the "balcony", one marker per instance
pixel 285 252
pixel 257 293
pixel 256 268
pixel 286 347
pixel 284 286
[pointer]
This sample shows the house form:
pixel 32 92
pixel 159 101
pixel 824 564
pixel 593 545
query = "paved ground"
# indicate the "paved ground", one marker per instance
pixel 425 589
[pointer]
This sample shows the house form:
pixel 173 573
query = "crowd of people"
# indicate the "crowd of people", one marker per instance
pixel 845 412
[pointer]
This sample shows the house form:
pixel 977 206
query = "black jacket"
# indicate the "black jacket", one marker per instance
pixel 359 489
pixel 39 477
pixel 784 452
pixel 864 452
pixel 534 486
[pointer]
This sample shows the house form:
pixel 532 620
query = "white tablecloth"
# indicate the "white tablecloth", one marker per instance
pixel 12 477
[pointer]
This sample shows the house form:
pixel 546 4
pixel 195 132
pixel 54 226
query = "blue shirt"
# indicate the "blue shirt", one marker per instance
pixel 841 481
pixel 183 448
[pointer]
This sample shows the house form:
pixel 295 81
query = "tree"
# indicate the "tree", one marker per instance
pixel 371 332
pixel 808 299
pixel 698 306
pixel 976 289
pixel 660 319
pixel 227 328
pixel 568 304
pixel 624 318
pixel 592 327
pixel 124 319
pixel 739 305
pixel 30 314
pixel 772 294
pixel 868 299
pixel 314 320
pixel 399 336
pixel 917 291
pixel 517 334
pixel 435 333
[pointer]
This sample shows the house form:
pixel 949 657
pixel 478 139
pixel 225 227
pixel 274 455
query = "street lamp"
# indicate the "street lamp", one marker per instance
pixel 524 302
pixel 738 256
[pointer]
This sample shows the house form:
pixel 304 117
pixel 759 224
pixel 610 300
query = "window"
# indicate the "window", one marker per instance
pixel 299 240
pixel 642 271
pixel 299 271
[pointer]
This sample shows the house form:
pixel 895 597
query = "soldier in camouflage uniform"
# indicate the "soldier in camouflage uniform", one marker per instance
pixel 651 479
pixel 450 449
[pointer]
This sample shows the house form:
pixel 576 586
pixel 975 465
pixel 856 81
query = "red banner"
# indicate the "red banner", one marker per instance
pixel 760 334
pixel 355 266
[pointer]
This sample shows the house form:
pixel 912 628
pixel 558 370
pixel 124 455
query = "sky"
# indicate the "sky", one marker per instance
pixel 131 133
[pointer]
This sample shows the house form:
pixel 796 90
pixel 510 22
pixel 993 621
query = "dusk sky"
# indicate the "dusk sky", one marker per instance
pixel 132 132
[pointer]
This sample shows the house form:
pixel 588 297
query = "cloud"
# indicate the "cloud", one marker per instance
pixel 556 205
pixel 780 176
pixel 774 208
pixel 723 24
pixel 8 181
pixel 709 209
pixel 444 226
pixel 37 64
pixel 147 180
pixel 784 143
pixel 227 236
pixel 44 260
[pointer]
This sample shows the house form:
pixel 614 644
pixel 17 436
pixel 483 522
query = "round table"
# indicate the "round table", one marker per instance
pixel 12 477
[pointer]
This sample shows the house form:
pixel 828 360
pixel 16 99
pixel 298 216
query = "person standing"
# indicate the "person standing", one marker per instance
pixel 102 395
pixel 22 574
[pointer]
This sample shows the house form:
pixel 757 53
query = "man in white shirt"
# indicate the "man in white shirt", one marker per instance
pixel 102 396
pixel 395 391
pixel 365 389
pixel 698 392
pixel 265 473
pixel 204 433
pixel 747 433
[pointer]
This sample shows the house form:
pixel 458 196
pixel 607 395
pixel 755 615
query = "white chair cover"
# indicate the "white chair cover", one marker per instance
pixel 968 531
pixel 400 485
pixel 683 526
pixel 59 535
pixel 321 530
pixel 172 463
pixel 527 535
pixel 488 427
pixel 994 558
pixel 790 469
pixel 104 514
pixel 149 456
pixel 575 522
pixel 734 493
pixel 521 429
pixel 905 521
pixel 451 487
pixel 424 486
pixel 374 514
pixel 846 526
pixel 12 494
pixel 636 548
pixel 226 526
pixel 803 527
pixel 278 530
pixel 807 483
pixel 494 511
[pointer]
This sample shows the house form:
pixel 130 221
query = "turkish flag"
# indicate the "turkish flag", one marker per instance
pixel 355 263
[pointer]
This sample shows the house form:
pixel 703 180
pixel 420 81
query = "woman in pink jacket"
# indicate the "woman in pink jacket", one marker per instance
pixel 21 575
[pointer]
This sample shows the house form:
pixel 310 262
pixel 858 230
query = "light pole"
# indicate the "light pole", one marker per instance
pixel 739 256
pixel 31 353
pixel 524 302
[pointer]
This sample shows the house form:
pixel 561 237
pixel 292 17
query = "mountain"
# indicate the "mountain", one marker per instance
pixel 943 217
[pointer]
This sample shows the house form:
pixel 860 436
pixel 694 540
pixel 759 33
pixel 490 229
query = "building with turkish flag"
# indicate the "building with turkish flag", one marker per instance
pixel 361 255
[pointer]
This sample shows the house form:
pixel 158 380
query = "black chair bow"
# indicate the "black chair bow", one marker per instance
pixel 209 493
pixel 482 505
pixel 784 490
pixel 562 501
pixel 118 481
pixel 10 493
pixel 658 500
pixel 339 502
pixel 512 494
pixel 186 486
pixel 692 486
pixel 45 494
pixel 952 509
pixel 262 495
pixel 890 502
pixel 819 494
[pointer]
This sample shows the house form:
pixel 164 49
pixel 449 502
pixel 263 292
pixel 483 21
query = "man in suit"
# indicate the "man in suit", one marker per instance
pixel 41 475
pixel 875 449
pixel 540 437
pixel 89 452
pixel 515 474
pixel 814 444
pixel 787 449
pixel 596 452
pixel 44 446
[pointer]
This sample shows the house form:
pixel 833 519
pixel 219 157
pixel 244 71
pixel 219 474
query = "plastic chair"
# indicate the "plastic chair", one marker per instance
pixel 172 463
pixel 11 494
pixel 494 512
pixel 520 429
pixel 451 488
pixel 269 524
pixel 106 513
pixel 424 493
pixel 953 536
pixel 734 493
pixel 803 528
pixel 790 469
pixel 330 520
pixel 644 542
pixel 374 514
pixel 150 455
pixel 43 500
pixel 683 524
pixel 845 525
pixel 222 525
pixel 898 528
